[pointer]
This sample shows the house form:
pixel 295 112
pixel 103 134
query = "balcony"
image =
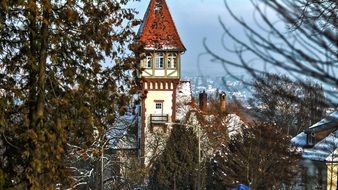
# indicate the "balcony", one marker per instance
pixel 159 121
pixel 159 118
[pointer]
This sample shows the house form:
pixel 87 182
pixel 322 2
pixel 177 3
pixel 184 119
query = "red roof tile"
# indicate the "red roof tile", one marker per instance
pixel 158 30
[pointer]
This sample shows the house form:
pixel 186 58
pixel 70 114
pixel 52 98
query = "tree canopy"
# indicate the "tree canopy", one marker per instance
pixel 259 157
pixel 177 166
pixel 54 92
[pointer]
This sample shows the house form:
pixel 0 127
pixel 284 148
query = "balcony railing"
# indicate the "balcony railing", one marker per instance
pixel 159 118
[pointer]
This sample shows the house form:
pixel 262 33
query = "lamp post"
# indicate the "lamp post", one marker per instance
pixel 102 163
pixel 199 148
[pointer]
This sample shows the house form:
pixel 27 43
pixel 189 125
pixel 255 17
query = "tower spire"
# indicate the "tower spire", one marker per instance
pixel 158 30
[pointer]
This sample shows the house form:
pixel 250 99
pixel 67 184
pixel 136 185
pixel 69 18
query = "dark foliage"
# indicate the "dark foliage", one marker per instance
pixel 57 101
pixel 177 167
pixel 260 157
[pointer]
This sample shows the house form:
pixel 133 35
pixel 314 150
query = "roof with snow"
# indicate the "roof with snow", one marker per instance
pixel 158 30
pixel 299 140
pixel 333 157
pixel 123 133
pixel 327 123
pixel 234 124
pixel 323 149
pixel 183 99
pixel 326 149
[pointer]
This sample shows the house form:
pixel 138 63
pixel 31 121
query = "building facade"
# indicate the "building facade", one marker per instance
pixel 159 77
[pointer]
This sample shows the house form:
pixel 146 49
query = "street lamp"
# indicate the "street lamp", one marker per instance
pixel 199 148
pixel 102 163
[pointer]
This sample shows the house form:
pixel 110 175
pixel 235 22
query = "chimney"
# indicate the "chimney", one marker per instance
pixel 203 98
pixel 223 102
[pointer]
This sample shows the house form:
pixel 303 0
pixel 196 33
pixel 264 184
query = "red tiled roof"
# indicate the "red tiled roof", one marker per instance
pixel 158 30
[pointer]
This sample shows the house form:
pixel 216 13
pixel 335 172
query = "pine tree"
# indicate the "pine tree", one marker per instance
pixel 177 167
pixel 54 93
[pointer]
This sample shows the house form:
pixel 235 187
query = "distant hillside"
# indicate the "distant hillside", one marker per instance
pixel 211 84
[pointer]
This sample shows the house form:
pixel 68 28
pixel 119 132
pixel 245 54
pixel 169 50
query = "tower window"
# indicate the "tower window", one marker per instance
pixel 158 108
pixel 148 62
pixel 160 60
pixel 172 60
pixel 158 105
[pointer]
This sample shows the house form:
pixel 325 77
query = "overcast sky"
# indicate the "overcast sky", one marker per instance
pixel 196 20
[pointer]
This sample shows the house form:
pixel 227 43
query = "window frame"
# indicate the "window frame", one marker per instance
pixel 148 62
pixel 172 60
pixel 159 105
pixel 159 60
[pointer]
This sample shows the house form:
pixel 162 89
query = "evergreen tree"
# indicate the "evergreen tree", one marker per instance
pixel 177 167
pixel 56 98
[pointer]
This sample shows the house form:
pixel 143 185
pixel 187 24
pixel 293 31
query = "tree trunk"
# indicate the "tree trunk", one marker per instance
pixel 38 49
pixel 42 63
pixel 32 55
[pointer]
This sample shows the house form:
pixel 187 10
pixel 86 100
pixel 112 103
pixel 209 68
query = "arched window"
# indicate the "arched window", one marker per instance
pixel 160 60
pixel 172 60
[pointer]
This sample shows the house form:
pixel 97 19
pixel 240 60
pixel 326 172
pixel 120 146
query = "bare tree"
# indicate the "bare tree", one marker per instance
pixel 258 157
pixel 309 48
pixel 292 105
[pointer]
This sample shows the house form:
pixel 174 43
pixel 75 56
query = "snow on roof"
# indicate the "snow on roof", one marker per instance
pixel 327 122
pixel 234 124
pixel 183 99
pixel 333 157
pixel 323 149
pixel 299 140
pixel 162 47
pixel 119 136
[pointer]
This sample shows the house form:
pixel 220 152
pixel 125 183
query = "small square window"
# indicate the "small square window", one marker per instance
pixel 158 106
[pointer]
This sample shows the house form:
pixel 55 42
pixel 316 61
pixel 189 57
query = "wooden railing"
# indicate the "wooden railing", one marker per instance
pixel 159 118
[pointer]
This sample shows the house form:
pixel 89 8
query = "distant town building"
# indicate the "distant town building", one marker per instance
pixel 319 147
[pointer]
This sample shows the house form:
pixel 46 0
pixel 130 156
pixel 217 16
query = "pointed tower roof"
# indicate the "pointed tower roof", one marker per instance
pixel 158 29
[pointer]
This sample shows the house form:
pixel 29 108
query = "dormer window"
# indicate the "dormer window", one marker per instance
pixel 172 60
pixel 310 139
pixel 159 60
pixel 148 61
